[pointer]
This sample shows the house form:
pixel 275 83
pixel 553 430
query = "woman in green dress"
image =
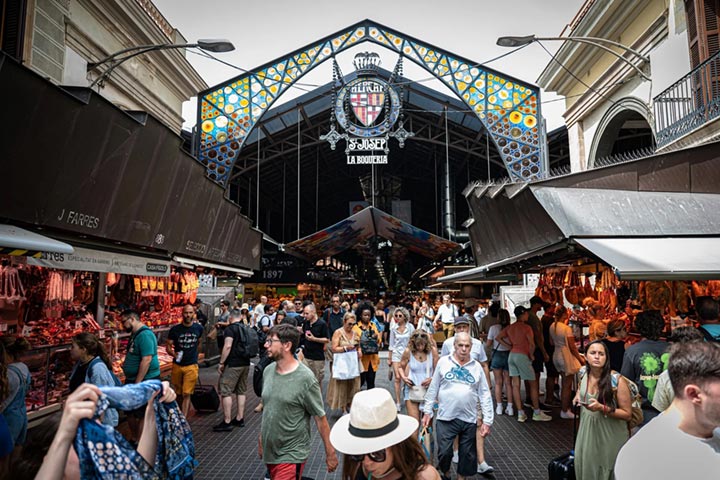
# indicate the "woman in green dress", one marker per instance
pixel 606 409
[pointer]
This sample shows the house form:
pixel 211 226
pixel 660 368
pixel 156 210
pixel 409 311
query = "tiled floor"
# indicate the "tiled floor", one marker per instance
pixel 516 450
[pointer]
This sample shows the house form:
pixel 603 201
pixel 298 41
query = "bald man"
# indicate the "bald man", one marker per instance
pixel 314 339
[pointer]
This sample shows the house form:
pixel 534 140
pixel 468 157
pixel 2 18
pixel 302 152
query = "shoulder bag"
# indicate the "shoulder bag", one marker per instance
pixel 416 393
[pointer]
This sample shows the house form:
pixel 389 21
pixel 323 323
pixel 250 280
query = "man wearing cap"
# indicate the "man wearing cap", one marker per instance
pixel 458 385
pixel 518 337
pixel 539 355
pixel 291 395
pixel 477 352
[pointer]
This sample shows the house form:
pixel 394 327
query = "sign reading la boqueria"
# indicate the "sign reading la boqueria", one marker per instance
pixel 367 108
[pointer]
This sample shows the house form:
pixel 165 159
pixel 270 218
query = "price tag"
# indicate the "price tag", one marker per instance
pixel 144 284
pixel 67 324
pixel 101 333
pixel 160 285
pixel 78 324
pixel 136 281
pixel 27 329
pixel 3 327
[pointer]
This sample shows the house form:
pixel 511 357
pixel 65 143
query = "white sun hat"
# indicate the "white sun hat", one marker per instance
pixel 373 424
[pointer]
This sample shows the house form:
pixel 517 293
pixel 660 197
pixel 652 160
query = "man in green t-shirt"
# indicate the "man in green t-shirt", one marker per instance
pixel 291 395
pixel 141 363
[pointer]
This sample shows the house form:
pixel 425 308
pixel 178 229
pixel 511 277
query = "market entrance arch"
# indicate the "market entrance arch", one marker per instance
pixel 509 109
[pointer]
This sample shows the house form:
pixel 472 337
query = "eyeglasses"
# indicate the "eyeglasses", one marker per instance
pixel 376 457
pixel 271 340
pixel 399 315
pixel 351 323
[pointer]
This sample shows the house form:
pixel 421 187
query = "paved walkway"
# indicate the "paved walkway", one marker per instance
pixel 516 450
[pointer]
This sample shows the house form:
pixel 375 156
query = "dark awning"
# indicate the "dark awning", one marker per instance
pixel 77 163
pixel 525 226
pixel 362 226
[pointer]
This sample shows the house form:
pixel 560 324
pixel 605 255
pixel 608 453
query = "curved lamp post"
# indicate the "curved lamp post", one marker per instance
pixel 595 41
pixel 117 58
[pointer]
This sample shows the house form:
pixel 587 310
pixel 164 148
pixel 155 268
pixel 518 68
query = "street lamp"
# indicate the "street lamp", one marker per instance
pixel 596 41
pixel 117 58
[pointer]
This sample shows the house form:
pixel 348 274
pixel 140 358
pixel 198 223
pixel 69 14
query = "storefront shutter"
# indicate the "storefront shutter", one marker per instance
pixel 704 42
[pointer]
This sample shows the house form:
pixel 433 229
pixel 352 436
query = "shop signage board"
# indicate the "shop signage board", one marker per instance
pixel 87 260
pixel 366 110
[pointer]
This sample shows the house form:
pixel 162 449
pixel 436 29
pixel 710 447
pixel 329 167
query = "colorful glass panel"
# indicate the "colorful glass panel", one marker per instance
pixel 509 110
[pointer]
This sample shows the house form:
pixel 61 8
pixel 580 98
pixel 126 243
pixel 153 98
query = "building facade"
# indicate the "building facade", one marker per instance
pixel 614 110
pixel 59 38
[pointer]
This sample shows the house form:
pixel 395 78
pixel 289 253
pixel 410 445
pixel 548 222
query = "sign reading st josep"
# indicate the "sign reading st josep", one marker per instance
pixel 367 108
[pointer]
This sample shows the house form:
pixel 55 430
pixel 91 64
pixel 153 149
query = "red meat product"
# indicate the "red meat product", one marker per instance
pixel 713 288
pixel 657 295
pixel 699 289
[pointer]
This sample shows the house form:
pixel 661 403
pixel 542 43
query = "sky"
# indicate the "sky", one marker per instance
pixel 266 30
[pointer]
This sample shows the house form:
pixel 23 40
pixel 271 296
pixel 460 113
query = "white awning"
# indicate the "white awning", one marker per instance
pixel 18 241
pixel 191 263
pixel 658 258
pixel 87 260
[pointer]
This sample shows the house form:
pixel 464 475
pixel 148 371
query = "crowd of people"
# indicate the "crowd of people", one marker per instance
pixel 633 401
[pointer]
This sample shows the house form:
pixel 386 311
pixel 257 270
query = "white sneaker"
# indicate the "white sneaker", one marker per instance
pixel 456 457
pixel 567 415
pixel 399 407
pixel 541 417
pixel 509 410
pixel 522 416
pixel 484 468
pixel 498 410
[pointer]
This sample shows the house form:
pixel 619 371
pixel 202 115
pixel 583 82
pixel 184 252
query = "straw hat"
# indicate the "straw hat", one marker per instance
pixel 373 424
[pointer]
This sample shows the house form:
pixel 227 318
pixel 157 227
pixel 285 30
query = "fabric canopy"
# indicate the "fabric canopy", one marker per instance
pixel 15 240
pixel 669 258
pixel 364 225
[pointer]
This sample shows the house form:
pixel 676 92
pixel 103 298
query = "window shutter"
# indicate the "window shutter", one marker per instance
pixel 12 26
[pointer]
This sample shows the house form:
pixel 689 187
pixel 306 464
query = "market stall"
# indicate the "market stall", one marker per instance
pixel 640 235
pixel 50 299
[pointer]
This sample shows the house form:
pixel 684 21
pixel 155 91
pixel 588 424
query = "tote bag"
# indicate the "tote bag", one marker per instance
pixel 345 366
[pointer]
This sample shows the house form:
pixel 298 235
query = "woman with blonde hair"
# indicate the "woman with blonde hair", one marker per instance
pixel 341 392
pixel 416 369
pixel 399 337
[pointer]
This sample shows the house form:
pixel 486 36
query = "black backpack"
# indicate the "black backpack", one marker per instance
pixel 368 341
pixel 261 336
pixel 248 346
pixel 258 374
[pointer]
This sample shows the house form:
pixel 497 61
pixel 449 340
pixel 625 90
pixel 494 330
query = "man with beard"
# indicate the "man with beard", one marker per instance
pixel 315 337
pixel 141 363
pixel 291 395
pixel 182 345
pixel 683 441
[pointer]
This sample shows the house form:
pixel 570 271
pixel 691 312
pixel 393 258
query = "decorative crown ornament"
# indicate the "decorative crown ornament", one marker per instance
pixel 367 63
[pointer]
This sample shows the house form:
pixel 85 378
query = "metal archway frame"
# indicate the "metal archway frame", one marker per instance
pixel 508 108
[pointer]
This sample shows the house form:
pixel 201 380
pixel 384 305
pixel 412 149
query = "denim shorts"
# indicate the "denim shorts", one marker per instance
pixel 500 360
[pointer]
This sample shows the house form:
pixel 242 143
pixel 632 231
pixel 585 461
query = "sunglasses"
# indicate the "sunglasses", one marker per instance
pixel 376 457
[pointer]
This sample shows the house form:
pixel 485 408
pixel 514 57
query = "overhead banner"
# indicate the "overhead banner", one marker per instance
pixel 86 260
pixel 360 227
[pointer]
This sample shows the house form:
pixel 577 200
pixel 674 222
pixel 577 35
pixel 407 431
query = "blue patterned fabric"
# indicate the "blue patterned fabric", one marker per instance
pixel 104 453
